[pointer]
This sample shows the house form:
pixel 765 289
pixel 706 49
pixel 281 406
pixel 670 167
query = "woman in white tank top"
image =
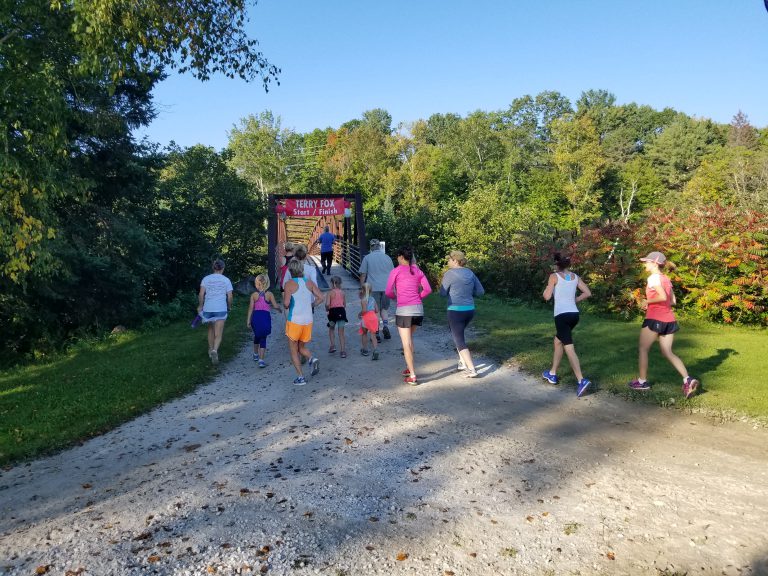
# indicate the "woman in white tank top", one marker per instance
pixel 563 285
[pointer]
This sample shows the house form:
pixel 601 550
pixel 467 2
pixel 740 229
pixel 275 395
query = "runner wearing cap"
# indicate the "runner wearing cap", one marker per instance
pixel 375 269
pixel 659 324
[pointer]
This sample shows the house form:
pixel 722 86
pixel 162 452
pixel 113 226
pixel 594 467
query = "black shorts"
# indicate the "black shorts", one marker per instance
pixel 661 328
pixel 337 315
pixel 564 324
pixel 408 321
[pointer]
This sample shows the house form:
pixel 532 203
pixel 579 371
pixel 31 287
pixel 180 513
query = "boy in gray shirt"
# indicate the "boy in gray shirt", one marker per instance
pixel 375 269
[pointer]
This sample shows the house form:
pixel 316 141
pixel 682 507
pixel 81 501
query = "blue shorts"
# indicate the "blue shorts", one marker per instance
pixel 213 316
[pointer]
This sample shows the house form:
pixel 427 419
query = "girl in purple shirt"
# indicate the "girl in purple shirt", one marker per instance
pixel 410 286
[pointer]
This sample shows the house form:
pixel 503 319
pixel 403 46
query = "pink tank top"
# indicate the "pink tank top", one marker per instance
pixel 337 298
pixel 261 303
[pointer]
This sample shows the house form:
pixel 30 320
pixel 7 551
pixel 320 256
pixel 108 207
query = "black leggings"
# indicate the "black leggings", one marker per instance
pixel 458 320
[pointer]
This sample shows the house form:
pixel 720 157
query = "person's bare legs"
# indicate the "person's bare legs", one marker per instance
pixel 211 336
pixel 293 346
pixel 332 337
pixel 647 338
pixel 570 351
pixel 557 355
pixel 342 340
pixel 218 332
pixel 406 337
pixel 665 343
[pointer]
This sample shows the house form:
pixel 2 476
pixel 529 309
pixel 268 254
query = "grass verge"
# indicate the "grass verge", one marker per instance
pixel 730 361
pixel 100 384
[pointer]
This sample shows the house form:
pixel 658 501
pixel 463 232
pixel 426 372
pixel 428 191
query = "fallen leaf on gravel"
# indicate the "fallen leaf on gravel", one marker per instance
pixel 245 568
pixel 210 569
pixel 165 544
pixel 244 491
pixel 87 486
pixel 190 447
pixel 370 548
pixel 348 441
pixel 43 569
pixel 373 519
pixel 308 514
pixel 264 569
pixel 402 556
pixel 473 554
pixel 270 494
pixel 556 497
pixel 153 558
pixel 571 528
pixel 143 536
pixel 494 521
pixel 449 573
pixel 529 518
pixel 226 545
pixel 545 513
pixel 74 572
pixel 611 556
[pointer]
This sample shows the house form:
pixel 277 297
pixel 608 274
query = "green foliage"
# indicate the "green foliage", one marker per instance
pixel 100 383
pixel 721 271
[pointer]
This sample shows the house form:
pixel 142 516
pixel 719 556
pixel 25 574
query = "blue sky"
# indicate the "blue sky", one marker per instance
pixel 707 58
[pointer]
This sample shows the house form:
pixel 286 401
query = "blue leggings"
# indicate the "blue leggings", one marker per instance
pixel 458 321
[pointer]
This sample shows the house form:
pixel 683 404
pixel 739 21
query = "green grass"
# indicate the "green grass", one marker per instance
pixel 98 385
pixel 730 361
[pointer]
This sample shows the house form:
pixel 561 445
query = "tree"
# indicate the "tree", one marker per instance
pixel 741 132
pixel 264 153
pixel 578 157
pixel 49 50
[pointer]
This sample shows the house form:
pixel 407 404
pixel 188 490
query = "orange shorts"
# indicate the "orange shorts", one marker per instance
pixel 298 332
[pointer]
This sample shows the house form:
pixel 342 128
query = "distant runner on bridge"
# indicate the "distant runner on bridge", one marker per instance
pixel 326 241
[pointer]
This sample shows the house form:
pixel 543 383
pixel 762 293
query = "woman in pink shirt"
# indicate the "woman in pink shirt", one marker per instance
pixel 659 324
pixel 410 286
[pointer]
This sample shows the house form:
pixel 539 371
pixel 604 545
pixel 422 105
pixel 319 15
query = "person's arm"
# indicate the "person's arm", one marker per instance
pixel 328 301
pixel 200 299
pixel 550 287
pixel 658 289
pixel 585 292
pixel 288 290
pixel 272 302
pixel 426 289
pixel 363 271
pixel 477 289
pixel 390 289
pixel 316 291
pixel 229 300
pixel 445 285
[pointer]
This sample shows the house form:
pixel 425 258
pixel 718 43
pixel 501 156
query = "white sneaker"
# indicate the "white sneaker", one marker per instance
pixel 461 365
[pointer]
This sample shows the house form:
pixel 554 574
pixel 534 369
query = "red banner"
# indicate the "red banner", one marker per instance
pixel 313 207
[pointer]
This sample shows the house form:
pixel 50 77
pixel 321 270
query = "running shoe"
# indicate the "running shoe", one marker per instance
pixel 375 355
pixel 378 338
pixel 549 377
pixel 690 386
pixel 471 374
pixel 315 363
pixel 364 351
pixel 214 357
pixel 461 366
pixel 385 332
pixel 262 364
pixel 637 385
pixel 343 354
pixel 332 349
pixel 300 381
pixel 581 387
pixel 406 372
pixel 255 357
pixel 411 380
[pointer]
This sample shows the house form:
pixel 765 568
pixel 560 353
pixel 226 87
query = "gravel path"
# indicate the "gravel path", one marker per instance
pixel 357 473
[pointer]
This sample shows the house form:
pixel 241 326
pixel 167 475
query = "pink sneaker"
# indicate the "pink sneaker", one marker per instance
pixel 690 386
